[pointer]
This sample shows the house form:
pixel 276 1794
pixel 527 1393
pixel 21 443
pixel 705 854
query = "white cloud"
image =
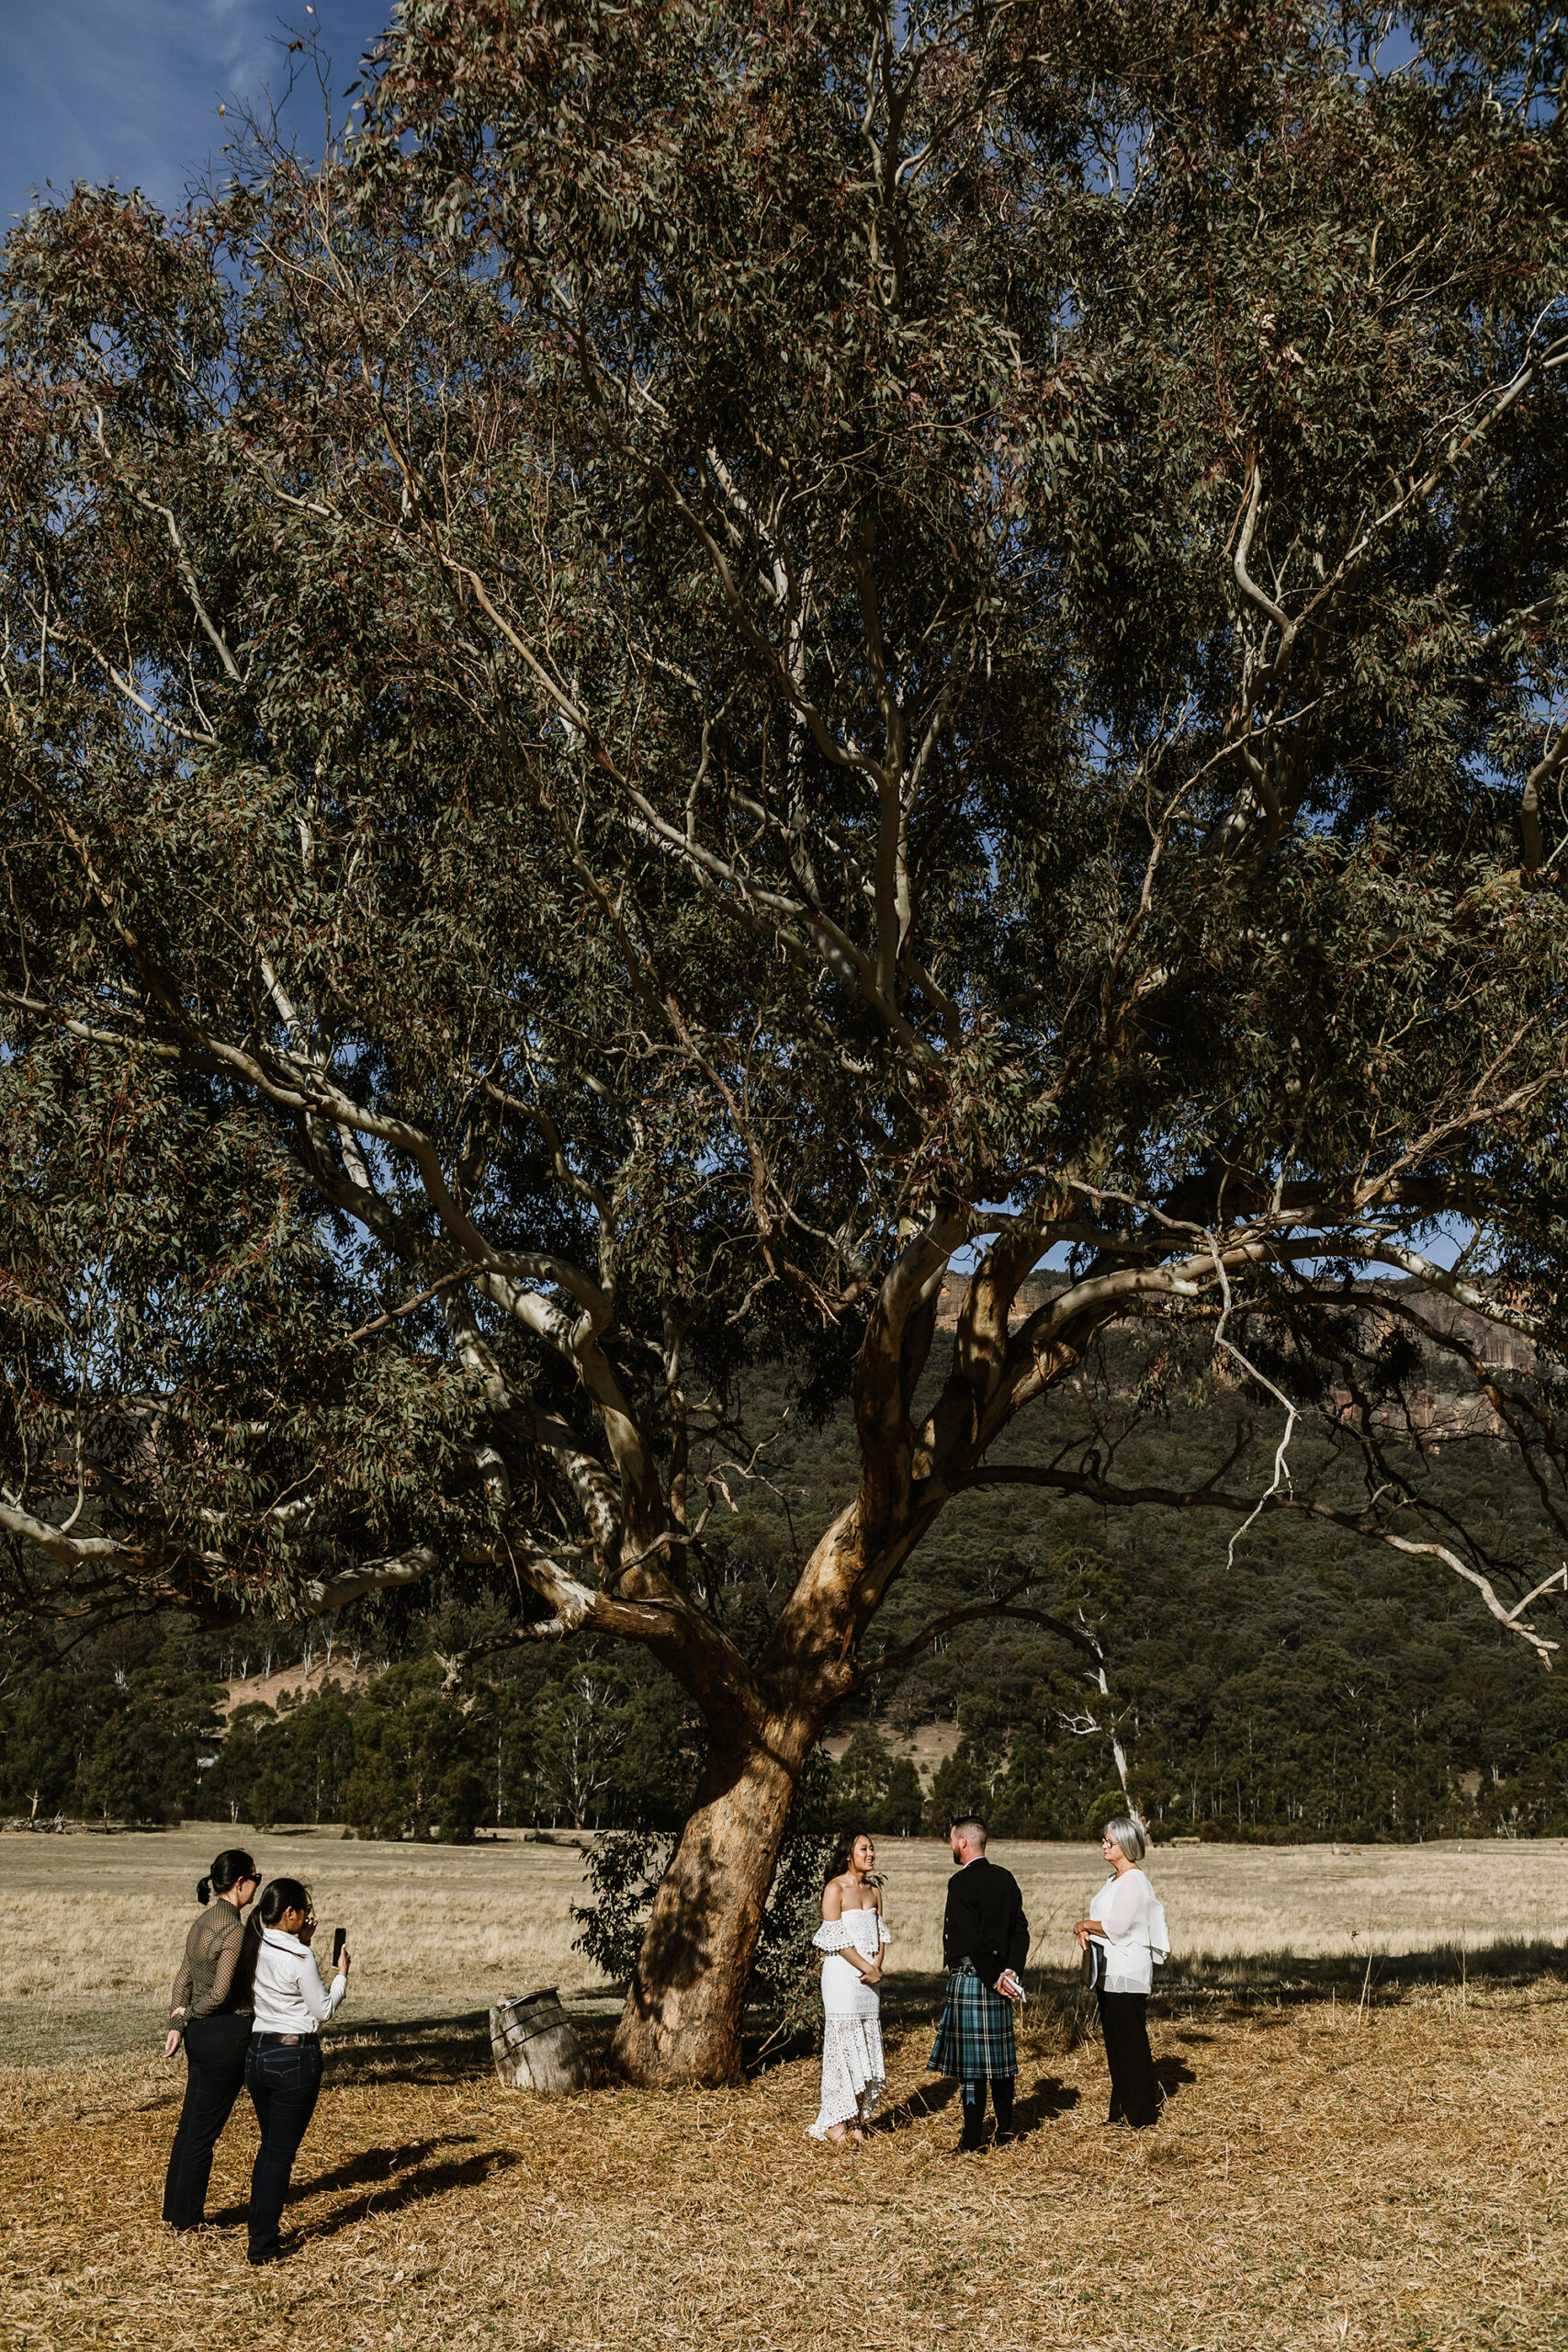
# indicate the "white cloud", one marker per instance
pixel 129 89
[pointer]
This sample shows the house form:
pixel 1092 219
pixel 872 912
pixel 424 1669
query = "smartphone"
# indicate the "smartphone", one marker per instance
pixel 340 1936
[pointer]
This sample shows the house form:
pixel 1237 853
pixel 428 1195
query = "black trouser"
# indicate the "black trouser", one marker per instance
pixel 284 2078
pixel 975 2107
pixel 215 2076
pixel 1135 2094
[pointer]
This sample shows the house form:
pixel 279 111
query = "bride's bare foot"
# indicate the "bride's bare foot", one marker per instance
pixel 857 2136
pixel 836 2131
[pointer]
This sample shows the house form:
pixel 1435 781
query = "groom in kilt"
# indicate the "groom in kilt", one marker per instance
pixel 985 1942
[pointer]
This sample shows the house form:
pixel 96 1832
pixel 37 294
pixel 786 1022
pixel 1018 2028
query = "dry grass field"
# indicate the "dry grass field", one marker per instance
pixel 1323 2177
pixel 95 1924
pixel 1330 2171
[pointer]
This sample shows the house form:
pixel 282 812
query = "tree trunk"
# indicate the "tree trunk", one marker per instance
pixel 682 2020
pixel 536 2048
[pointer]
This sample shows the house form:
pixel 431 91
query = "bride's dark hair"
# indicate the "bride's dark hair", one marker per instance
pixel 843 1853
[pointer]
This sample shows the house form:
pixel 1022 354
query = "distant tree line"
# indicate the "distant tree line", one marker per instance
pixel 134 1730
pixel 1292 1696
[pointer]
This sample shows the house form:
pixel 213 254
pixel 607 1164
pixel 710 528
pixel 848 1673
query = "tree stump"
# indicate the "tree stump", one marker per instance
pixel 536 2046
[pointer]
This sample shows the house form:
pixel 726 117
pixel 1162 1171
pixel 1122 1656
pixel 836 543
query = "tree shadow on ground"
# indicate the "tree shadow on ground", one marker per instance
pixel 914 1995
pixel 759 2056
pixel 413 2050
pixel 1282 1977
pixel 1286 1977
pixel 414 2188
pixel 451 2049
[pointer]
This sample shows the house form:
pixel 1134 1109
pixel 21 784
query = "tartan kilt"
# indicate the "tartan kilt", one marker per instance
pixel 974 2038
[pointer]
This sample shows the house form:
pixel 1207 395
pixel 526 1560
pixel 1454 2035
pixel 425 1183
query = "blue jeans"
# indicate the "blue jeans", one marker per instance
pixel 284 2081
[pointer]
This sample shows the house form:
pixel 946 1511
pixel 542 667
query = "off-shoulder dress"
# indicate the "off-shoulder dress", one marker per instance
pixel 853 2073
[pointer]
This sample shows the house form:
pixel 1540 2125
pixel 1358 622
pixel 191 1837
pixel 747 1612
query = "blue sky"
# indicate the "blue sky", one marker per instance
pixel 129 89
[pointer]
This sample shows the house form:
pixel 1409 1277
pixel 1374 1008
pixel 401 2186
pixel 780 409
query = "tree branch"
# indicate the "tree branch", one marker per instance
pixel 890 1661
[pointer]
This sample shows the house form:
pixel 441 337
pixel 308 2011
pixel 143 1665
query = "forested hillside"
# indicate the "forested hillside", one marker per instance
pixel 1313 1688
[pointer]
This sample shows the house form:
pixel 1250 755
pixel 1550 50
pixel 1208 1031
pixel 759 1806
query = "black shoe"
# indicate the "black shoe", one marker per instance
pixel 256 2260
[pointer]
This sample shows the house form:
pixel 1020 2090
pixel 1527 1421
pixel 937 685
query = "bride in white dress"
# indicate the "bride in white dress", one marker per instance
pixel 852 1937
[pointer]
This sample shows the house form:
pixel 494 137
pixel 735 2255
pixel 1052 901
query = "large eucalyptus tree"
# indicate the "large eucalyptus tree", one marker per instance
pixel 744 661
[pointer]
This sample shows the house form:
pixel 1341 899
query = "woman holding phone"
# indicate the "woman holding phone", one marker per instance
pixel 283 2062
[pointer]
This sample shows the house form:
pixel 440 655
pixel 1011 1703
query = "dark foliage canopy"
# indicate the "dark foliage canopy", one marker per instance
pixel 744 661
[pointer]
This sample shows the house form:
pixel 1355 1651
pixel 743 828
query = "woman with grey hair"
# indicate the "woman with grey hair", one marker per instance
pixel 1118 1934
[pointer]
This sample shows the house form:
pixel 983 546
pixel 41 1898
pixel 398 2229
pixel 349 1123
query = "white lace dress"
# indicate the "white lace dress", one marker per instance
pixel 853 2074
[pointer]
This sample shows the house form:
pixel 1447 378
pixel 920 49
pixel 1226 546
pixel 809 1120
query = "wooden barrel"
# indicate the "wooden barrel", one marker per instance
pixel 535 2047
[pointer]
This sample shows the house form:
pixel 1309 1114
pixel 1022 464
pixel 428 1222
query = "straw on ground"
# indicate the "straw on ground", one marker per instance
pixel 1333 2170
pixel 1393 2181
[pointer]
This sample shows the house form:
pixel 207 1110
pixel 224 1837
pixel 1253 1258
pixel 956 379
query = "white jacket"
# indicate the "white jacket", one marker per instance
pixel 1122 1907
pixel 289 1995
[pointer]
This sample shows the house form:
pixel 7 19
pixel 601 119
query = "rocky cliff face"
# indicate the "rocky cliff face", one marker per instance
pixel 1442 1405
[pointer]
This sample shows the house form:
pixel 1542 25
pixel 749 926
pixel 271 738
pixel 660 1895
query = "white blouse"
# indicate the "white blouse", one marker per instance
pixel 1122 1907
pixel 845 1992
pixel 864 1928
pixel 289 1995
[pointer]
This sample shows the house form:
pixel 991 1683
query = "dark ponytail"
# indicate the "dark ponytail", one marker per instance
pixel 843 1852
pixel 228 1869
pixel 279 1896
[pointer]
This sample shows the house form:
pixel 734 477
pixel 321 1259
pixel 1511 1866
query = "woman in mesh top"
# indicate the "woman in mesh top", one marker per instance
pixel 215 2026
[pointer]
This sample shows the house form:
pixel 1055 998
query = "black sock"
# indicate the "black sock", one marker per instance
pixel 1001 2100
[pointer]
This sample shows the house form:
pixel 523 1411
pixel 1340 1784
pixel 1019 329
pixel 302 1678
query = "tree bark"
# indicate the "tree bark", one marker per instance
pixel 681 2020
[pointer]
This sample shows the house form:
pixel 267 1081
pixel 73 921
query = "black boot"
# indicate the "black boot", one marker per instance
pixel 974 2119
pixel 1001 2100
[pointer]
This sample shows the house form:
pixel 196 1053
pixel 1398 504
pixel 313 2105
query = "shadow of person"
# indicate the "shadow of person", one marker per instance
pixel 381 2164
pixel 414 2188
pixel 926 2098
pixel 1049 2099
pixel 1170 2074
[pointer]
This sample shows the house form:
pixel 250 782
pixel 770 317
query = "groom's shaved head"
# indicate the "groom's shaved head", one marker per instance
pixel 971 1830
